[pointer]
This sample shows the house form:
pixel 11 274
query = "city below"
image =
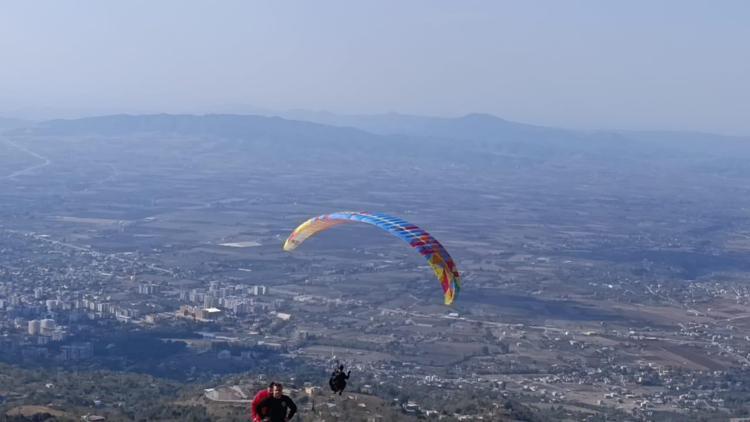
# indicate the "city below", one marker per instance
pixel 589 290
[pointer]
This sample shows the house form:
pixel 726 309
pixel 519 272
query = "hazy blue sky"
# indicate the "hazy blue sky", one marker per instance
pixel 587 64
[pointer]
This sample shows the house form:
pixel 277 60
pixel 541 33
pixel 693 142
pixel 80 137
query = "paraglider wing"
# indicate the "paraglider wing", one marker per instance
pixel 436 255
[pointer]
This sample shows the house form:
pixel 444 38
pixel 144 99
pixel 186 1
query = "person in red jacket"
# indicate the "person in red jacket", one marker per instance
pixel 262 395
pixel 277 407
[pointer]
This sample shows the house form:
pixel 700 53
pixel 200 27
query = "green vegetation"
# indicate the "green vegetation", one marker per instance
pixel 116 395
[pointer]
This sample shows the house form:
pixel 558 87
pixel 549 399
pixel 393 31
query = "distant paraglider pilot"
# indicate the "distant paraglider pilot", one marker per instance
pixel 277 407
pixel 338 380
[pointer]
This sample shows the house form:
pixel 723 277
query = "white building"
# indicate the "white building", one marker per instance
pixel 47 326
pixel 148 289
pixel 34 327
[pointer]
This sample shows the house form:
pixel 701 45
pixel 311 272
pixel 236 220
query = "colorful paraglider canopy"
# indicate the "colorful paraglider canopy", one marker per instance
pixel 436 255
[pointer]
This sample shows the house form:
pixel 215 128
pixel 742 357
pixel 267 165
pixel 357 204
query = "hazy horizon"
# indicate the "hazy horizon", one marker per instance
pixel 581 65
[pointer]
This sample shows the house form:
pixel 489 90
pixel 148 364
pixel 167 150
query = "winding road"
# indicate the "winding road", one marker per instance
pixel 28 170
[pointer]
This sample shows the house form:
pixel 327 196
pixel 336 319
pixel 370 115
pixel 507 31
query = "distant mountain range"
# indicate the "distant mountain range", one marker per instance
pixel 472 126
pixel 220 125
pixel 473 132
pixel 479 126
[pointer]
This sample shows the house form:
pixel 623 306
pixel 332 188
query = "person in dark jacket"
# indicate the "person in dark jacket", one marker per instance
pixel 338 380
pixel 278 407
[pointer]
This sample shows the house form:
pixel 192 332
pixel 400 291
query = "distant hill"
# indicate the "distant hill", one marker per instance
pixel 473 127
pixel 480 127
pixel 489 132
pixel 487 128
pixel 475 139
pixel 6 123
pixel 408 133
pixel 215 125
pixel 274 138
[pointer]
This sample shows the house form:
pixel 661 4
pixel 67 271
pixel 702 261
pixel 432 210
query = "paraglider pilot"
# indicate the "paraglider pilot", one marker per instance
pixel 338 380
